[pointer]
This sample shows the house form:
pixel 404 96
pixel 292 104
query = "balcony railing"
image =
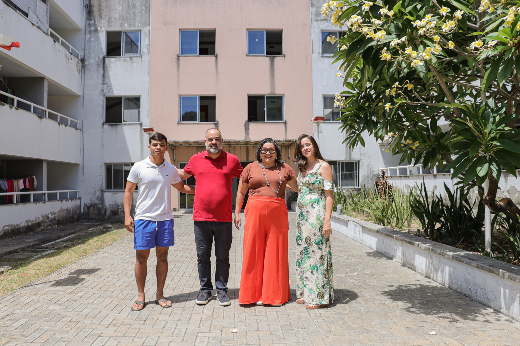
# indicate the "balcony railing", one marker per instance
pixel 58 195
pixel 40 111
pixel 64 43
pixel 411 170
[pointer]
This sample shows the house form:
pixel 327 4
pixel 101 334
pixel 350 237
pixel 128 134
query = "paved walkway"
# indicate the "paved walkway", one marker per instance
pixel 378 302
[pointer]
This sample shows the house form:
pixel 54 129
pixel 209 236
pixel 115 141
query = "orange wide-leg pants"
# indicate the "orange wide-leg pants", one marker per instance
pixel 265 266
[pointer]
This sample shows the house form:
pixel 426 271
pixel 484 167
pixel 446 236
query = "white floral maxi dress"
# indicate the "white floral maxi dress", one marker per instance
pixel 314 257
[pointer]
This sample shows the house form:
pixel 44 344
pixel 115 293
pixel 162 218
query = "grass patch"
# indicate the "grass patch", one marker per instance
pixel 26 271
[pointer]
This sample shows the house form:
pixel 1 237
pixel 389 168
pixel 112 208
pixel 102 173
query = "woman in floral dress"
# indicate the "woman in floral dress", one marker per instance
pixel 315 198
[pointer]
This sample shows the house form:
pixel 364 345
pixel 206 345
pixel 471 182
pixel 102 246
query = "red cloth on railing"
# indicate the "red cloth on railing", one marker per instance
pixel 10 188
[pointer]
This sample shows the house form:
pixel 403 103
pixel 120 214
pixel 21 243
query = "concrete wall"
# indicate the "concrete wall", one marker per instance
pixel 42 138
pixel 491 282
pixel 73 10
pixel 37 50
pixel 112 76
pixel 62 176
pixel 328 134
pixel 231 75
pixel 18 219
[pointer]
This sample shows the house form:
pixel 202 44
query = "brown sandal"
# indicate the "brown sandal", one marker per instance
pixel 300 301
pixel 313 306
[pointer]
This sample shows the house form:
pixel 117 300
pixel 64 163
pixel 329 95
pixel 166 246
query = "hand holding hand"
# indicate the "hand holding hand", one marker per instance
pixel 129 224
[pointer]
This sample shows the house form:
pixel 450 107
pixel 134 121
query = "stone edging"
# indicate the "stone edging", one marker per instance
pixel 489 281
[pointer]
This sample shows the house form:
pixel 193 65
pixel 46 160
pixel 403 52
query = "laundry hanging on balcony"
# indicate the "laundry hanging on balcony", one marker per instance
pixel 16 185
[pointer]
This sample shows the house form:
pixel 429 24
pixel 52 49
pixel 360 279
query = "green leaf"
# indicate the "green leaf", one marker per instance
pixel 504 161
pixel 397 7
pixel 471 172
pixel 475 33
pixel 461 167
pixel 491 74
pixel 495 169
pixel 457 161
pixel 494 24
pixel 505 70
pixel 462 6
pixel 482 169
pixel 463 145
pixel 473 150
pixel 467 134
pixel 506 32
pixel 508 145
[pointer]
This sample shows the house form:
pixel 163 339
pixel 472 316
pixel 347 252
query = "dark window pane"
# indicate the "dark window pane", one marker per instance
pixel 273 42
pixel 132 42
pixel 349 174
pixel 131 108
pixel 114 110
pixel 114 43
pixel 109 177
pixel 118 177
pixel 256 42
pixel 208 106
pixel 274 106
pixel 328 48
pixel 207 42
pixel 334 167
pixel 189 108
pixel 255 108
pixel 189 42
pixel 329 111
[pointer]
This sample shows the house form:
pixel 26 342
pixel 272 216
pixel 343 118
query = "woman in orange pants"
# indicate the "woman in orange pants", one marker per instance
pixel 265 266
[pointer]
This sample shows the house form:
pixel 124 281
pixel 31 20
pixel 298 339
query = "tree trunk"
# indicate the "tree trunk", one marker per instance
pixel 505 205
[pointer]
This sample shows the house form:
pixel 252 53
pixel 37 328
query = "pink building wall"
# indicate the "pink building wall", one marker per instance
pixel 231 75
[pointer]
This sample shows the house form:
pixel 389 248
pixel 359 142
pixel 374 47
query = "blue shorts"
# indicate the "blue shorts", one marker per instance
pixel 149 234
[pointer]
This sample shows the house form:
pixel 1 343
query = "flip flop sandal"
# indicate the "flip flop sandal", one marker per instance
pixel 163 300
pixel 138 302
pixel 312 306
pixel 300 301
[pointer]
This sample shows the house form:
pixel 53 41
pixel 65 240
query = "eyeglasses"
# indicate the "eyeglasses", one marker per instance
pixel 270 151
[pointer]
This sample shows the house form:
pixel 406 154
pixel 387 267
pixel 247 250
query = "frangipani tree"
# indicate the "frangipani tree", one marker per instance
pixel 409 64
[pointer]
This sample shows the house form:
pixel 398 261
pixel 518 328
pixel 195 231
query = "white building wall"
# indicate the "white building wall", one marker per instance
pixel 113 76
pixel 328 134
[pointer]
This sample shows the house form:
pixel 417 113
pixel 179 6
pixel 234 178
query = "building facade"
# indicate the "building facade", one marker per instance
pixel 241 67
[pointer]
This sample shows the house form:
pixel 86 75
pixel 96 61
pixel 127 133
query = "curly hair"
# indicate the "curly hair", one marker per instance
pixel 261 144
pixel 298 156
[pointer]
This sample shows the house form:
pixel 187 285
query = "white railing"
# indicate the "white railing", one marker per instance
pixel 410 170
pixel 64 43
pixel 58 194
pixel 47 113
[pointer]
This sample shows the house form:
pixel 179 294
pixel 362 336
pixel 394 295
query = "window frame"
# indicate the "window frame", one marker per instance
pixel 180 42
pixel 198 110
pixel 125 164
pixel 338 36
pixel 181 165
pixel 323 107
pixel 265 42
pixel 265 109
pixel 339 171
pixel 122 40
pixel 123 109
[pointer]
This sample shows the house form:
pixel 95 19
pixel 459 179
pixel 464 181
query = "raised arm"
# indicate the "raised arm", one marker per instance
pixel 326 172
pixel 241 193
pixel 127 204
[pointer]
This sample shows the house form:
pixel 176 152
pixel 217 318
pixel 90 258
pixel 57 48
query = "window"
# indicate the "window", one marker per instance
pixel 265 108
pixel 122 110
pixel 116 175
pixel 123 43
pixel 197 42
pixel 185 200
pixel 327 48
pixel 330 112
pixel 198 109
pixel 345 173
pixel 264 42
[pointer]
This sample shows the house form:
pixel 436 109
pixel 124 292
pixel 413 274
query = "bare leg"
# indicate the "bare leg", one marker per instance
pixel 141 257
pixel 161 271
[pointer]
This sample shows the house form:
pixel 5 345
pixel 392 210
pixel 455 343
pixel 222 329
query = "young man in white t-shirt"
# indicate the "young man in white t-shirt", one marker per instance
pixel 153 225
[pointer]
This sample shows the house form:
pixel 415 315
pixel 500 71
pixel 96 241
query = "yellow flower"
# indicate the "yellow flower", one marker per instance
pixel 458 14
pixel 451 45
pixel 416 144
pixel 387 150
pixel 444 10
pixel 390 134
pixel 436 38
pixel 426 56
pixel 396 84
pixel 408 50
pixel 366 6
pixel 388 106
pixel 476 44
pixel 409 86
pixel 332 39
pixel 343 47
pixel 413 54
pixel 437 49
pixel 428 49
pixel 417 63
pixel 402 144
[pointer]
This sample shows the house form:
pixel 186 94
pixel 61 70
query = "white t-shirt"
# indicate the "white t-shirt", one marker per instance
pixel 154 191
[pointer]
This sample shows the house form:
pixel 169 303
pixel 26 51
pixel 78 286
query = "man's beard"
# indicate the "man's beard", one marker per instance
pixel 214 151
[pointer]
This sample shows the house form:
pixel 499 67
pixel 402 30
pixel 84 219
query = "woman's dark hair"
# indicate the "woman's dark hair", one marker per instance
pixel 158 137
pixel 298 156
pixel 261 144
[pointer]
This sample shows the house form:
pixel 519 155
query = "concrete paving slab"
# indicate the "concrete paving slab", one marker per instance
pixel 378 302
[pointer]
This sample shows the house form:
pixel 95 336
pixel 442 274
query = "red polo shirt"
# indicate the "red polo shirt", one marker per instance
pixel 213 191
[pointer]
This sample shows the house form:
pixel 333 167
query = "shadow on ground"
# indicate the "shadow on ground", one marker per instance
pixel 75 277
pixel 439 301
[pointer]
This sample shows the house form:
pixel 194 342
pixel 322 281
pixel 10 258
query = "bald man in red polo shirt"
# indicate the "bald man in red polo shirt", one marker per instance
pixel 214 170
